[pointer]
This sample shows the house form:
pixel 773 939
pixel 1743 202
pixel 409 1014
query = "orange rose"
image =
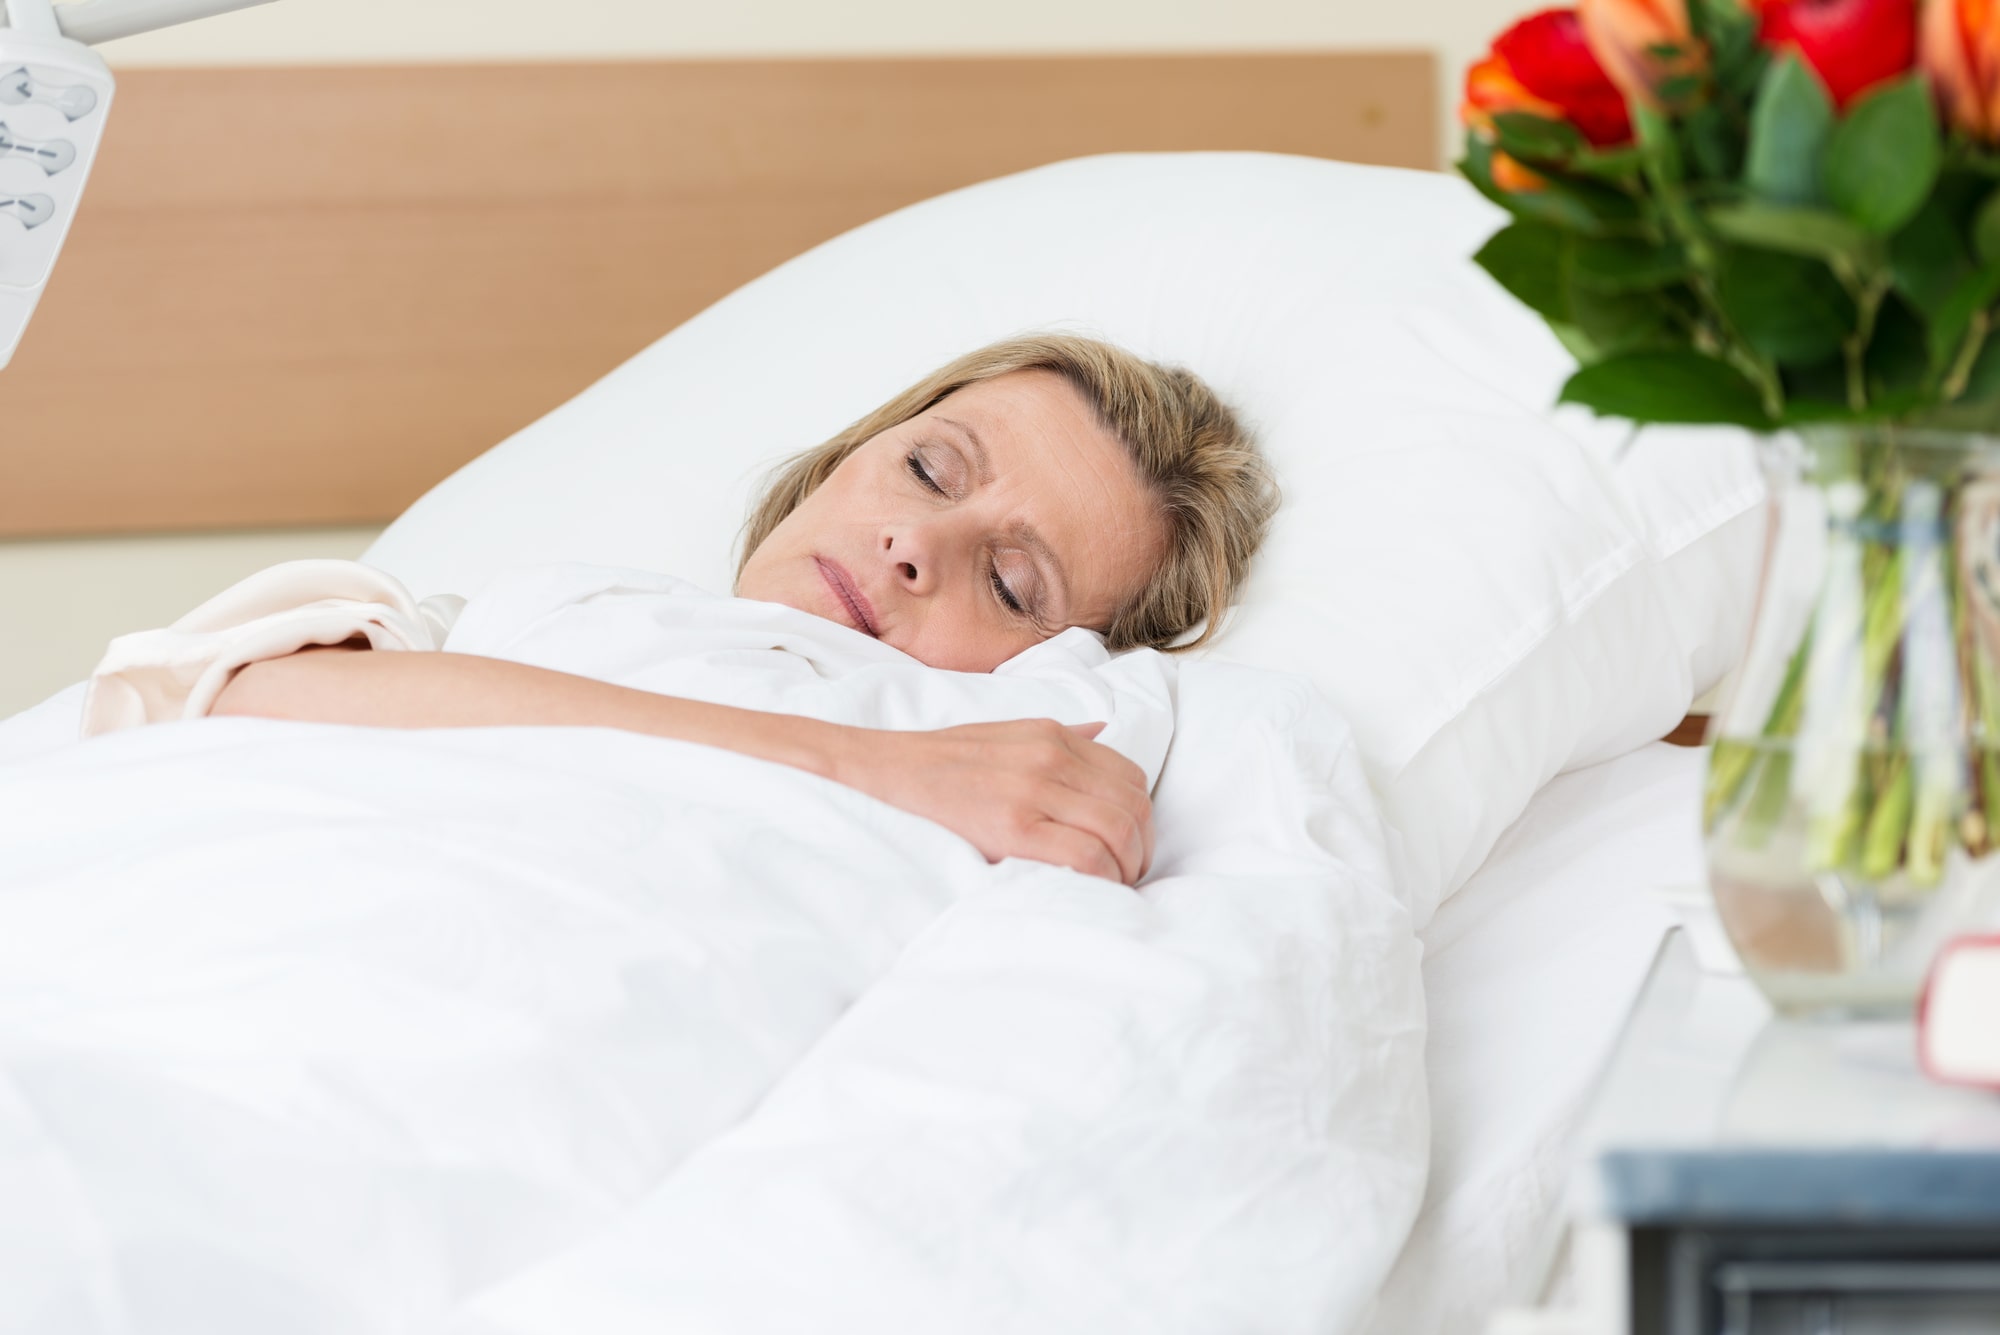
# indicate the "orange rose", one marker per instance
pixel 1491 87
pixel 1510 175
pixel 1958 45
pixel 1489 90
pixel 1624 35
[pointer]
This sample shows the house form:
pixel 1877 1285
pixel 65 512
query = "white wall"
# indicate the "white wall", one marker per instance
pixel 60 601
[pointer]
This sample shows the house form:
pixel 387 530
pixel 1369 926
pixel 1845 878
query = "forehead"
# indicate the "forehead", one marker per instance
pixel 1036 420
pixel 1038 392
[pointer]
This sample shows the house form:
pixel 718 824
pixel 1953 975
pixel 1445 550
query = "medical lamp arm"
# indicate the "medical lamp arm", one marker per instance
pixel 93 21
pixel 55 93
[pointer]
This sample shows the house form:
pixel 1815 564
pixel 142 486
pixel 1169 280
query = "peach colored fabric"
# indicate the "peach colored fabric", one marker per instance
pixel 176 672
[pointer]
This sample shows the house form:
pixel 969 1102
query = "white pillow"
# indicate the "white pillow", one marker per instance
pixel 1491 591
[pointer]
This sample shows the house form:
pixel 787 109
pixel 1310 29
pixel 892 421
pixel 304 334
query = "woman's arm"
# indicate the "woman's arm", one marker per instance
pixel 1031 788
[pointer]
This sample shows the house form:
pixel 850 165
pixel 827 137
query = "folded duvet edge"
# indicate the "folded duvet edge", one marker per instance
pixel 178 671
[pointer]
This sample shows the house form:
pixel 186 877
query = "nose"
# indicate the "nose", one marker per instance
pixel 917 554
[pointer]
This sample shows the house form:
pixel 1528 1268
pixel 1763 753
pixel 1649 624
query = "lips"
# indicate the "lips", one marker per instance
pixel 849 595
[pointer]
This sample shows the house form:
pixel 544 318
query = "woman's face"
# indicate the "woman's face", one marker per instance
pixel 1001 516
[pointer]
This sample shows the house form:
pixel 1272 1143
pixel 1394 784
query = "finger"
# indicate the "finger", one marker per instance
pixel 1121 783
pixel 1111 786
pixel 1103 757
pixel 1067 846
pixel 1085 730
pixel 1112 824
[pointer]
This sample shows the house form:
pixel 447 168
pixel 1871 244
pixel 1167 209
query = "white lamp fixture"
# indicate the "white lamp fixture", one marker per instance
pixel 54 95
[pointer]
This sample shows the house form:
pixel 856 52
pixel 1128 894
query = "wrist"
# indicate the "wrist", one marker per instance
pixel 830 750
pixel 233 698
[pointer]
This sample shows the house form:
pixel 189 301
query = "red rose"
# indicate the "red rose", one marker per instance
pixel 1851 44
pixel 1547 56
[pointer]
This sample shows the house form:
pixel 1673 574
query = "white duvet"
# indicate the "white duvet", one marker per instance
pixel 309 1029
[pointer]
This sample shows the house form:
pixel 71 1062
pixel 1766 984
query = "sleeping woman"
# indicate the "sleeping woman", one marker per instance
pixel 1028 487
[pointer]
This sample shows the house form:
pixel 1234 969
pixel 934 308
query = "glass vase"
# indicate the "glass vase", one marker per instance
pixel 1853 792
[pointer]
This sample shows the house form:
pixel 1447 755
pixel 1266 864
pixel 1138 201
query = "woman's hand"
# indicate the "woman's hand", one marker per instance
pixel 1033 788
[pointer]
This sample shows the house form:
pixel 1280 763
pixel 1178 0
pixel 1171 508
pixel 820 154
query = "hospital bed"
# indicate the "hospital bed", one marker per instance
pixel 1505 604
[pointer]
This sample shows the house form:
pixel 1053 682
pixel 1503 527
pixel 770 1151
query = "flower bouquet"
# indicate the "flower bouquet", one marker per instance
pixel 1784 215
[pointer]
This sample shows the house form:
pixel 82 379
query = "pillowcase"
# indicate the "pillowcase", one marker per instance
pixel 1490 590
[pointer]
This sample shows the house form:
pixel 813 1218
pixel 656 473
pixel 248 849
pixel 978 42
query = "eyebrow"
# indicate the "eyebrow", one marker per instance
pixel 1025 534
pixel 982 463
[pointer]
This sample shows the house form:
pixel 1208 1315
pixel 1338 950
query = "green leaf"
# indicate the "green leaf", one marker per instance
pixel 1805 412
pixel 1575 343
pixel 1585 206
pixel 1898 359
pixel 1986 230
pixel 1536 139
pixel 1677 386
pixel 1613 164
pixel 1814 392
pixel 1714 143
pixel 1787 307
pixel 1736 59
pixel 1618 264
pixel 1617 322
pixel 1984 381
pixel 1677 89
pixel 1797 231
pixel 1655 133
pixel 1883 157
pixel 1580 206
pixel 1706 18
pixel 1530 260
pixel 1966 154
pixel 1477 167
pixel 1927 258
pixel 1789 128
pixel 1949 321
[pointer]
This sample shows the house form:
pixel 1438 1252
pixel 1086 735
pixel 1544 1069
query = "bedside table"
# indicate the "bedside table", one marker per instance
pixel 1737 1174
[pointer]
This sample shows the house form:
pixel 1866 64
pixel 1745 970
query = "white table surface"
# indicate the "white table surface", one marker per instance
pixel 1713 1107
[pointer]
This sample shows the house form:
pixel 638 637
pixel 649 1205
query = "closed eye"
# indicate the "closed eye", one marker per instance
pixel 923 475
pixel 1006 595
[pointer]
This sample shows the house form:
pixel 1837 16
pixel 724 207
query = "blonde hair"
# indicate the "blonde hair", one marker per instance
pixel 1215 492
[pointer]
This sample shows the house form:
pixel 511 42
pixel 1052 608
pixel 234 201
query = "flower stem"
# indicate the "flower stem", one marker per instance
pixel 1854 348
pixel 1968 354
pixel 1887 825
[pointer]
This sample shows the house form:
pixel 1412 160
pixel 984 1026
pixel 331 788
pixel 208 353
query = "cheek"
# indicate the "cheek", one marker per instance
pixel 963 636
pixel 853 497
pixel 810 521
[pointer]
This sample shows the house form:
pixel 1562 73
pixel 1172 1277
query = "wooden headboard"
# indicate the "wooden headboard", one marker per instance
pixel 380 271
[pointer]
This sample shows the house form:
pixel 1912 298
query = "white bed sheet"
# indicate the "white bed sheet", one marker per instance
pixel 1528 973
